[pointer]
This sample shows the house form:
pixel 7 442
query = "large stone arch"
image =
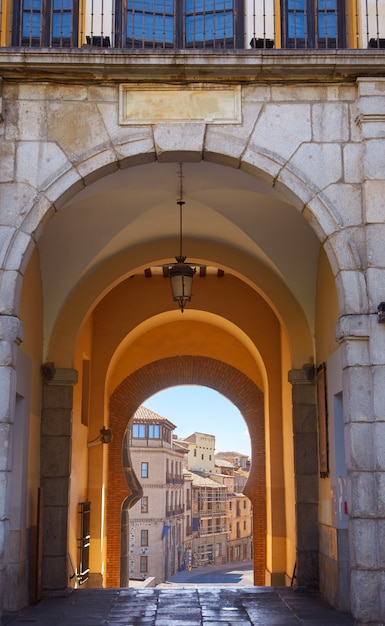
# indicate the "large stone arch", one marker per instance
pixel 179 370
pixel 63 173
pixel 294 177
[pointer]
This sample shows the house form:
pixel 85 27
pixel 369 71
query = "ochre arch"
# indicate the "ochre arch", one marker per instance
pixel 179 370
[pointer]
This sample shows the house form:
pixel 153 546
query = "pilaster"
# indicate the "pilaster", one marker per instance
pixel 306 475
pixel 11 335
pixel 365 461
pixel 55 469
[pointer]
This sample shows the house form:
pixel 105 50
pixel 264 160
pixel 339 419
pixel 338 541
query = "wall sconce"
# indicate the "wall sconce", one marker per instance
pixel 309 370
pixel 104 437
pixel 48 371
pixel 381 312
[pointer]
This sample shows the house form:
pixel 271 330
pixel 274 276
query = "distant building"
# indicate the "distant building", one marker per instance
pixel 222 514
pixel 210 523
pixel 157 525
pixel 235 458
pixel 192 511
pixel 240 540
pixel 239 475
pixel 201 452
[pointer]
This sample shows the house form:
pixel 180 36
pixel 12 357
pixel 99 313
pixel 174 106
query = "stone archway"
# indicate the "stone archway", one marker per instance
pixel 179 370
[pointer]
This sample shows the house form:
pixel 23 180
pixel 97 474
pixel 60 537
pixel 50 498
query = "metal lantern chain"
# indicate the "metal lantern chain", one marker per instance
pixel 181 274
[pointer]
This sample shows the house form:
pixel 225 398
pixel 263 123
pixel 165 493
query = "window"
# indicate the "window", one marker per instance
pixel 46 23
pixel 144 504
pixel 154 431
pixel 144 469
pixel 144 538
pixel 180 23
pixel 313 23
pixel 143 564
pixel 139 431
pixel 195 451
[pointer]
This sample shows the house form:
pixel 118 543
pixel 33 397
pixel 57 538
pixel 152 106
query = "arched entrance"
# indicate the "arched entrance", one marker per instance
pixel 277 329
pixel 184 370
pixel 111 301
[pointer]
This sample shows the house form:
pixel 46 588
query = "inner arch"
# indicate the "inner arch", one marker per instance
pixel 143 383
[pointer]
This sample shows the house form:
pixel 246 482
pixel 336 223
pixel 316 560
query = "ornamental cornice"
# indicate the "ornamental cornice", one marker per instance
pixel 370 117
pixel 243 66
pixel 11 329
pixel 352 327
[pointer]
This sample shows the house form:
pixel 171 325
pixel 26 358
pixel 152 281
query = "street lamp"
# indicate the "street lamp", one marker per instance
pixel 181 274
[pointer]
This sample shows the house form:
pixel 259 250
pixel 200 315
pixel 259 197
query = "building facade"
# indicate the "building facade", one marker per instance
pixel 157 528
pixel 201 452
pixel 277 115
pixel 209 522
pixel 240 461
pixel 240 539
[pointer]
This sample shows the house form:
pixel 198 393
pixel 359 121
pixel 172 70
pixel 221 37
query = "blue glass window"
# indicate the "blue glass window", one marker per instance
pixel 327 18
pixel 139 431
pixel 296 19
pixel 183 23
pixel 144 470
pixel 150 21
pixel 154 431
pixel 46 23
pixel 31 25
pixel 61 25
pixel 313 23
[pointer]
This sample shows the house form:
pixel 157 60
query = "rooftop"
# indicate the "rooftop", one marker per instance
pixel 143 414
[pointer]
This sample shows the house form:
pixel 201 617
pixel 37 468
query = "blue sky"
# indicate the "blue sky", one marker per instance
pixel 193 408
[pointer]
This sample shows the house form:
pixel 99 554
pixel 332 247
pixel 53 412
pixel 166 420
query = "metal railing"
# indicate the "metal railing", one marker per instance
pixel 174 479
pixel 193 24
pixel 172 511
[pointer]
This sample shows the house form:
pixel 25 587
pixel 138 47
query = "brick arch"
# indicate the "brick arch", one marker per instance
pixel 169 372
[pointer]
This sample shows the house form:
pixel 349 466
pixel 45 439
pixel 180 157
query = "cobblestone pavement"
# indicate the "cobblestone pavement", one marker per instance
pixel 183 606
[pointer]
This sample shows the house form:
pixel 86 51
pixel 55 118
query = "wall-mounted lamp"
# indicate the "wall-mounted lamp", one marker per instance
pixel 48 371
pixel 104 437
pixel 309 370
pixel 181 274
pixel 381 312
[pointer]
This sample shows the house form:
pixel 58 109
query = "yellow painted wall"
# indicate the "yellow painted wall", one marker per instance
pixel 120 314
pixel 288 459
pixel 327 315
pixel 31 315
pixel 327 311
pixel 79 466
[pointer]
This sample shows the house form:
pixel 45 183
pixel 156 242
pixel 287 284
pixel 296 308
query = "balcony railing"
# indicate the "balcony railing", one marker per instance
pixel 174 479
pixel 190 24
pixel 173 511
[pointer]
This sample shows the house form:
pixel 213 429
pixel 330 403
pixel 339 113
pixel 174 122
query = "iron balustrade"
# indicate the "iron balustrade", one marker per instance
pixel 173 511
pixel 174 479
pixel 193 24
pixel 212 512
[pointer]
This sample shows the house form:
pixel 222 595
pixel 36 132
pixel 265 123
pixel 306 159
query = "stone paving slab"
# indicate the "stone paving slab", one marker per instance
pixel 181 606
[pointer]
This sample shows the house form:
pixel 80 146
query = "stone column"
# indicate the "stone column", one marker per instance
pixel 364 415
pixel 363 343
pixel 306 476
pixel 55 470
pixel 11 335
